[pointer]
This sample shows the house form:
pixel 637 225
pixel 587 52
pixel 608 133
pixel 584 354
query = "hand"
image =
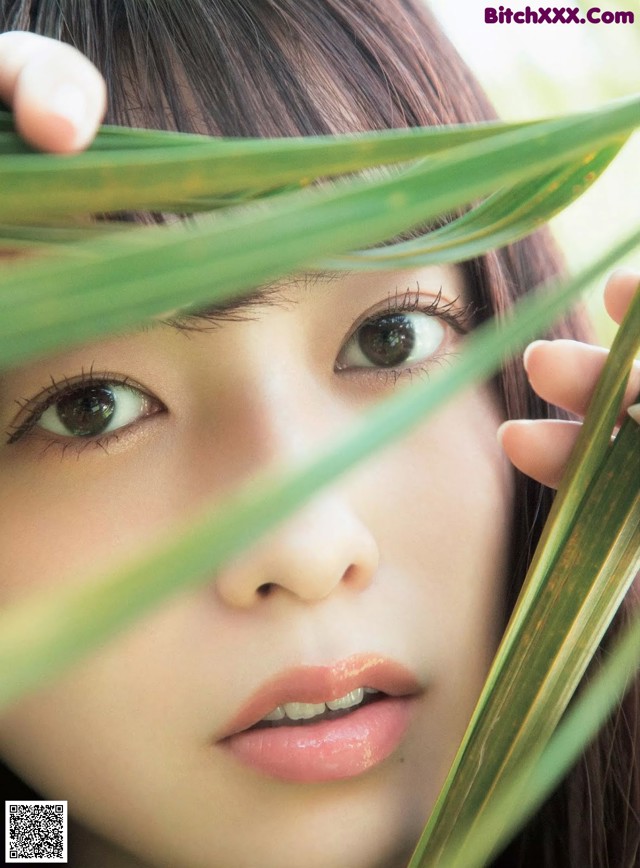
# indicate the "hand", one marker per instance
pixel 564 373
pixel 57 95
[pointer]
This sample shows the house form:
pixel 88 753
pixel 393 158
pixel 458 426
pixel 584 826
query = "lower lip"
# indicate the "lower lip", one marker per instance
pixel 329 750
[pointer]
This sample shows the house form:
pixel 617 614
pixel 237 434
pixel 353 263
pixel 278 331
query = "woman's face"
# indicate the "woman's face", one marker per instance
pixel 391 579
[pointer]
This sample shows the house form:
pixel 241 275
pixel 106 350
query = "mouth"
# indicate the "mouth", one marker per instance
pixel 314 724
pixel 305 713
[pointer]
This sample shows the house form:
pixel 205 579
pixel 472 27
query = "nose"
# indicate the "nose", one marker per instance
pixel 324 547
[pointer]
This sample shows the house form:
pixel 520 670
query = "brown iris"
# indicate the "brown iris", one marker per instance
pixel 387 341
pixel 86 412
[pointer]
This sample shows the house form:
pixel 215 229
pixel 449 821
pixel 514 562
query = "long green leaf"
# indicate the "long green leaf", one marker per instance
pixel 36 238
pixel 504 217
pixel 525 792
pixel 581 570
pixel 127 169
pixel 39 636
pixel 123 280
pixel 36 185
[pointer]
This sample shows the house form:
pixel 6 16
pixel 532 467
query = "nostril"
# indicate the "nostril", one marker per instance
pixel 350 573
pixel 266 589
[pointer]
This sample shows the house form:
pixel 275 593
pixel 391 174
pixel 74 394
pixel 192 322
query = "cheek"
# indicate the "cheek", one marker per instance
pixel 445 522
pixel 444 527
pixel 67 517
pixel 67 520
pixel 126 726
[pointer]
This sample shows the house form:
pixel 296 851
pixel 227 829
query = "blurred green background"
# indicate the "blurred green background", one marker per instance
pixel 537 70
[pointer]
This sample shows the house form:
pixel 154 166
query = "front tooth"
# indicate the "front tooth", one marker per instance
pixel 276 714
pixel 303 710
pixel 353 698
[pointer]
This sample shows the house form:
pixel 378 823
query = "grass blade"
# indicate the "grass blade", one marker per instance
pixel 495 222
pixel 524 793
pixel 127 169
pixel 155 177
pixel 504 217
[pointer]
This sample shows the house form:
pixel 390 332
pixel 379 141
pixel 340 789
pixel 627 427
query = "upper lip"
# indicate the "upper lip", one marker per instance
pixel 315 684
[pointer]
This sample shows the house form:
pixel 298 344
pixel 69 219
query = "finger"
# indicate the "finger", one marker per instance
pixel 540 448
pixel 565 373
pixel 58 96
pixel 618 292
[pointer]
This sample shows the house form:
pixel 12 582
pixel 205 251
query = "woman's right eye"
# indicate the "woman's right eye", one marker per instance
pixel 88 410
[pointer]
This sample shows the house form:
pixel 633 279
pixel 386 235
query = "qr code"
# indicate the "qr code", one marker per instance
pixel 36 832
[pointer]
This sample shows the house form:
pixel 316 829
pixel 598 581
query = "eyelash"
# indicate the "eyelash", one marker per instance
pixel 49 395
pixel 409 301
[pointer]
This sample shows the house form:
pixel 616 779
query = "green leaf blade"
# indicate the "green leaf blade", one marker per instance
pixel 505 217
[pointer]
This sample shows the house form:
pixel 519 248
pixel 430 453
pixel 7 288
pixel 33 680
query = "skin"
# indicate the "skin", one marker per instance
pixel 130 732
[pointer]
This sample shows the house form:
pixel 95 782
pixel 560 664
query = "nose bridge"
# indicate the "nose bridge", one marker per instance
pixel 289 410
pixel 280 418
pixel 294 413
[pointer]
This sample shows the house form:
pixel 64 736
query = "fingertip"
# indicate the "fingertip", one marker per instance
pixel 69 107
pixel 529 350
pixel 624 272
pixel 59 112
pixel 57 128
pixel 619 289
pixel 539 448
pixel 515 438
pixel 509 431
pixel 45 131
pixel 634 412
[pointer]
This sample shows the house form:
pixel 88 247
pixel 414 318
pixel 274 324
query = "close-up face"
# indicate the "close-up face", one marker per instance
pixel 205 734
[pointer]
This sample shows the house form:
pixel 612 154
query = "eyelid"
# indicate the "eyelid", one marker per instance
pixel 33 408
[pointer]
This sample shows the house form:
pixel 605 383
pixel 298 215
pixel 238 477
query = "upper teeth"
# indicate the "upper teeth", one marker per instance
pixel 307 710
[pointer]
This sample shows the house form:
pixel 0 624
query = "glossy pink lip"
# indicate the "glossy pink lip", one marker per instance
pixel 327 749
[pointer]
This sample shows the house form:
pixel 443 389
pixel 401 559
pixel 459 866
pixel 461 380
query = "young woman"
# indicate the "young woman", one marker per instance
pixel 304 706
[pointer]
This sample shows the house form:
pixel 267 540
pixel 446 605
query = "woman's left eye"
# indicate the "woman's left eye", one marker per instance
pixel 393 340
pixel 92 410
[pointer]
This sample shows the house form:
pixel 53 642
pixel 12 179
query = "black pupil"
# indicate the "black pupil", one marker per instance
pixel 87 411
pixel 387 340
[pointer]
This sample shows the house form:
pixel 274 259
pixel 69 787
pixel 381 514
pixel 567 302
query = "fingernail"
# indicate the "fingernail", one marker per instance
pixel 634 412
pixel 527 353
pixel 69 101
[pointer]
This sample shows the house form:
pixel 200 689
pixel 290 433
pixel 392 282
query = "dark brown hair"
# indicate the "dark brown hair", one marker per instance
pixel 292 67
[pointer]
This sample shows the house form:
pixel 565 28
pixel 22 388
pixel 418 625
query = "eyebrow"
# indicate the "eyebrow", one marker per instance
pixel 241 308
